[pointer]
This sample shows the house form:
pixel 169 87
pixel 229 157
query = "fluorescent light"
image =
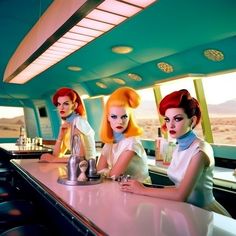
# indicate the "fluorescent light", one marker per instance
pixel 106 17
pixel 119 8
pixel 80 22
pixel 86 31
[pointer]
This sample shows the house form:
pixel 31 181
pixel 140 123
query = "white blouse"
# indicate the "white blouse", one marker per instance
pixel 87 134
pixel 201 194
pixel 138 167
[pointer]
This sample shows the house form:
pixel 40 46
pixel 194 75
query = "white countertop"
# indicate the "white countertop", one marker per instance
pixel 118 213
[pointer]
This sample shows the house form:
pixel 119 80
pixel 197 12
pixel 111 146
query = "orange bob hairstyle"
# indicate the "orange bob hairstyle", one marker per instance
pixel 123 97
pixel 181 99
pixel 73 95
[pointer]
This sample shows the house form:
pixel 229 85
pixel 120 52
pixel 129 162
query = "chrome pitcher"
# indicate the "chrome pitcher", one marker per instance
pixel 75 157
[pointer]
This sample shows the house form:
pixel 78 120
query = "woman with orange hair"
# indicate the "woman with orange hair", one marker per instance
pixel 191 168
pixel 123 153
pixel 72 112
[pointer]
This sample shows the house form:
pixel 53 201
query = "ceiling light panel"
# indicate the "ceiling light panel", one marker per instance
pixel 100 19
pixel 119 8
pixel 76 36
pixel 106 17
pixel 86 31
pixel 61 49
pixel 93 24
pixel 140 3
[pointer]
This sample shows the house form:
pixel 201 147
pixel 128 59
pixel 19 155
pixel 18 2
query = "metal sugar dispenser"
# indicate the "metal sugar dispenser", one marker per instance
pixel 79 170
pixel 75 158
pixel 73 165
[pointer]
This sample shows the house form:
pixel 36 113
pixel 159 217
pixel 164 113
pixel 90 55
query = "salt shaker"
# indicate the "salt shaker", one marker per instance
pixel 92 168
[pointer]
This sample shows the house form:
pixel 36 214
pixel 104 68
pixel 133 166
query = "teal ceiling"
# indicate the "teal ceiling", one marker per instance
pixel 172 31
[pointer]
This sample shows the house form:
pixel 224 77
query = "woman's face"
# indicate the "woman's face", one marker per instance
pixel 118 118
pixel 177 122
pixel 65 106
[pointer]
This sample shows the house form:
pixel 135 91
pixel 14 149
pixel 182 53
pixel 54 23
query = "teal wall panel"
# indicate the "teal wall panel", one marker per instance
pixel 94 110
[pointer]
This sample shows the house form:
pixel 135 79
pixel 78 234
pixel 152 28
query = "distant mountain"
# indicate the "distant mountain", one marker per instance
pixel 226 108
pixel 19 120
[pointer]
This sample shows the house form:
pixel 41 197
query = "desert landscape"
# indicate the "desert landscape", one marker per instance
pixel 222 119
pixel 224 128
pixel 11 127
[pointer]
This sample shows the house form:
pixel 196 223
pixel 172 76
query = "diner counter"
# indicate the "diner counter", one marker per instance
pixel 109 211
pixel 222 177
pixel 15 150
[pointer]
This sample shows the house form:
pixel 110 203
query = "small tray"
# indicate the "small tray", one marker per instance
pixel 64 180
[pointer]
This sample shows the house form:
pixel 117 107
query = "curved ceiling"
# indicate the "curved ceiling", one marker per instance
pixel 169 31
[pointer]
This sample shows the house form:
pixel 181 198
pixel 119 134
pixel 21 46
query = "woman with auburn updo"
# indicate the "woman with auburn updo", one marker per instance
pixel 72 112
pixel 192 165
pixel 123 153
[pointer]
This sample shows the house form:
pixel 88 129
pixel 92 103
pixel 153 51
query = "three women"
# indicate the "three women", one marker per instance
pixel 191 168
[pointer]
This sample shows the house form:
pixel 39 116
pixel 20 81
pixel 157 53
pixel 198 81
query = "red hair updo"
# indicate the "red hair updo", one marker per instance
pixel 181 99
pixel 74 97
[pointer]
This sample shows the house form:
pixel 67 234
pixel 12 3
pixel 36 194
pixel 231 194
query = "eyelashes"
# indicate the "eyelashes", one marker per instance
pixel 177 119
pixel 113 116
pixel 124 117
pixel 63 104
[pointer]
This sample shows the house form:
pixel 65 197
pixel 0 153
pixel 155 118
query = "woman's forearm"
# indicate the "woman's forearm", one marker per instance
pixel 57 147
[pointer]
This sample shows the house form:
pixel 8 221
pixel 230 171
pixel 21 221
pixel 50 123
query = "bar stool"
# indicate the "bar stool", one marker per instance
pixel 6 173
pixel 15 213
pixel 7 191
pixel 27 230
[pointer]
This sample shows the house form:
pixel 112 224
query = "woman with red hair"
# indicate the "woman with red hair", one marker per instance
pixel 192 165
pixel 123 153
pixel 72 112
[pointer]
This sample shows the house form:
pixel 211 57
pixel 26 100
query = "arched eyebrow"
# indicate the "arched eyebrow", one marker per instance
pixel 63 102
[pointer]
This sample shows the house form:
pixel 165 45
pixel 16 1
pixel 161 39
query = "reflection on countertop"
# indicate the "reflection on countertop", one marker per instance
pixel 118 213
pixel 13 148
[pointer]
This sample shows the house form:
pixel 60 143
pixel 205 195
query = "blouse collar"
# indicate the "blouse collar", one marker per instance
pixel 186 140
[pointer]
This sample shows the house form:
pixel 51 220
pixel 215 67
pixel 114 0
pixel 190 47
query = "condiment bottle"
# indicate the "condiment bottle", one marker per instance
pixel 158 153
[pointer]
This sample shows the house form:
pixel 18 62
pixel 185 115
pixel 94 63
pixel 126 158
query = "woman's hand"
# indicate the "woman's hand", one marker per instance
pixel 46 157
pixel 49 158
pixel 132 186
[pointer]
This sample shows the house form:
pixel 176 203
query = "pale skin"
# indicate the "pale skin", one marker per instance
pixel 177 124
pixel 119 119
pixel 65 108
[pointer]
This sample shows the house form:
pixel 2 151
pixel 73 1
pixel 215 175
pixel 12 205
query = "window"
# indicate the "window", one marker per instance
pixel 221 100
pixel 42 112
pixel 146 114
pixel 11 118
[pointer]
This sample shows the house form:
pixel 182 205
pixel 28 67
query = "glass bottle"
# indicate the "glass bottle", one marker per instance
pixel 158 152
pixel 168 152
pixel 22 138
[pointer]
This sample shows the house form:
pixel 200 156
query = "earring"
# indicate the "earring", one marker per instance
pixel 191 125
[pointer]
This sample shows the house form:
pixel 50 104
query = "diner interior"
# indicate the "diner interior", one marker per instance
pixel 141 44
